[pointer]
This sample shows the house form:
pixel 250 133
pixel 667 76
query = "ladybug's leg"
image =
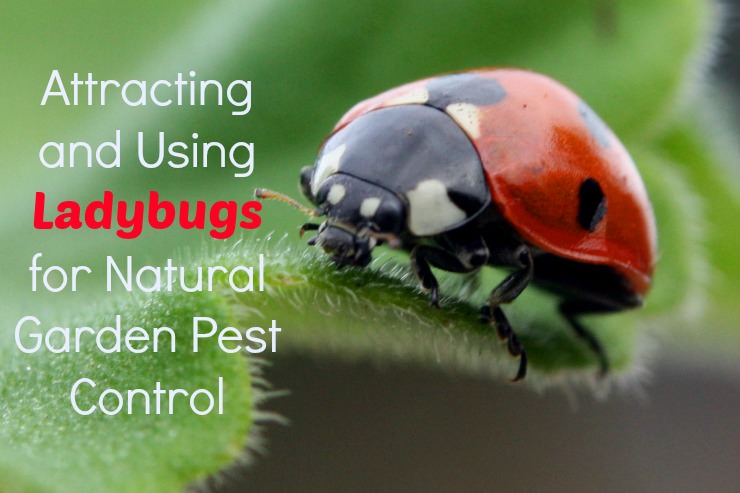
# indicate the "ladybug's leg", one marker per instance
pixel 308 227
pixel 507 290
pixel 571 310
pixel 422 270
pixel 513 285
pixel 506 333
pixel 453 254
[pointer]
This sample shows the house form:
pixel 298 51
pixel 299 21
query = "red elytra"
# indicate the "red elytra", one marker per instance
pixel 537 142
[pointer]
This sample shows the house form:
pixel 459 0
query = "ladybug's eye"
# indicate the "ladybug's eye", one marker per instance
pixel 591 204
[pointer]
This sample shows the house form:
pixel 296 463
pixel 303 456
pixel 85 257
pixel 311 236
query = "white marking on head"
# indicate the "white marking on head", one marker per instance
pixel 327 166
pixel 467 116
pixel 369 206
pixel 430 209
pixel 336 193
pixel 416 96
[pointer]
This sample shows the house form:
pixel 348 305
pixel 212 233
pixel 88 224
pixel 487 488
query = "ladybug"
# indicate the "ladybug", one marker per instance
pixel 500 167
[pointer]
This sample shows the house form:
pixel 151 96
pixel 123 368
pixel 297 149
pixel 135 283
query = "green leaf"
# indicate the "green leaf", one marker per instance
pixel 50 448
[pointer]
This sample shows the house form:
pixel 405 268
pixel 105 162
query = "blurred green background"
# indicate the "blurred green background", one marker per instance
pixel 640 64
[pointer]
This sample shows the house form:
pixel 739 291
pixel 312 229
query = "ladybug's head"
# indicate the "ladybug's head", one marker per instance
pixel 345 247
pixel 359 216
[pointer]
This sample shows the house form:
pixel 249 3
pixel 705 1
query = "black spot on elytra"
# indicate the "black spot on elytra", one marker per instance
pixel 464 88
pixel 591 204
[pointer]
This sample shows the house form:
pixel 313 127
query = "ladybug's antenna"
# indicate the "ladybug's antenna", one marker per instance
pixel 263 193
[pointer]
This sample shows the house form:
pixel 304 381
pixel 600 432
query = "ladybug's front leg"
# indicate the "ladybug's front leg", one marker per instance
pixel 507 290
pixel 422 270
pixel 452 253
